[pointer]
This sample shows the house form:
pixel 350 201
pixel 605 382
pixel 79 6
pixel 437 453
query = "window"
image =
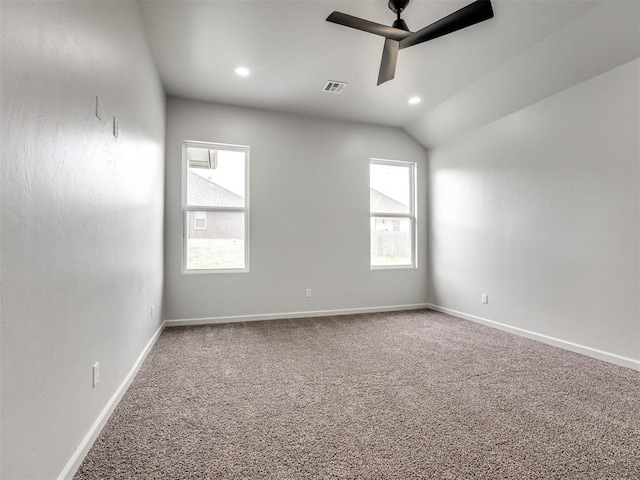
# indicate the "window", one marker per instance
pixel 393 214
pixel 200 220
pixel 215 207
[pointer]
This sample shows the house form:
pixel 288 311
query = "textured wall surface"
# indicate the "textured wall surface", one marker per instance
pixel 540 210
pixel 81 220
pixel 309 191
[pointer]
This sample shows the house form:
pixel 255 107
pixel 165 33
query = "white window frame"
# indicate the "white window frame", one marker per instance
pixel 186 208
pixel 412 215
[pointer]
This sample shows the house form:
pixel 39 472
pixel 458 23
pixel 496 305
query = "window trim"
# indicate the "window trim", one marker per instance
pixel 412 215
pixel 186 208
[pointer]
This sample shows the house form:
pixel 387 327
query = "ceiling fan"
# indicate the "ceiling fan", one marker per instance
pixel 398 36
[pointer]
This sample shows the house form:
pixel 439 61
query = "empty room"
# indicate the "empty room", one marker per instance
pixel 316 239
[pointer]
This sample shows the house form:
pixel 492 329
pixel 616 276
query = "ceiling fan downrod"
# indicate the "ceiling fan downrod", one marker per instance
pixel 397 7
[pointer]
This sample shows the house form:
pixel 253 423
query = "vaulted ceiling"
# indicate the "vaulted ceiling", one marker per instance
pixel 529 50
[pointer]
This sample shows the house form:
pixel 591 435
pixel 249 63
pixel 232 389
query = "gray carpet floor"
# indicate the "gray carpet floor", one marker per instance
pixel 397 395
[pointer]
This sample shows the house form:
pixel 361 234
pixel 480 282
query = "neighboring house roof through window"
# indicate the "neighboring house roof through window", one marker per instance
pixel 382 203
pixel 206 193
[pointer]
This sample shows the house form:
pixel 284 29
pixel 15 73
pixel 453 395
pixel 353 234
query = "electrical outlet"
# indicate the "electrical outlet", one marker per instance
pixel 485 298
pixel 99 111
pixel 96 374
pixel 153 311
pixel 308 293
pixel 116 128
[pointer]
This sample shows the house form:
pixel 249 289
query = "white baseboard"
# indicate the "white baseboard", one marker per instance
pixel 556 342
pixel 278 316
pixel 76 459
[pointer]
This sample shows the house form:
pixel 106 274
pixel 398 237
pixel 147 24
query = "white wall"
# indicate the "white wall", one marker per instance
pixel 582 49
pixel 540 210
pixel 309 215
pixel 82 216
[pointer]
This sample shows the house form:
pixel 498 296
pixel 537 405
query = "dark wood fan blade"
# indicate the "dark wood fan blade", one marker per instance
pixel 389 59
pixel 473 13
pixel 367 26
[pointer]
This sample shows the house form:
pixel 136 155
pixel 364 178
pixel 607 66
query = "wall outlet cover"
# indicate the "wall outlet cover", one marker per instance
pixel 96 373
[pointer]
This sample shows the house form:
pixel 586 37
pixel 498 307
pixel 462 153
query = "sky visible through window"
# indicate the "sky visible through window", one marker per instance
pixel 229 172
pixel 391 180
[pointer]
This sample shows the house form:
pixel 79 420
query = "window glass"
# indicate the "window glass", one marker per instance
pixel 390 188
pixel 216 209
pixel 390 241
pixel 392 210
pixel 221 246
pixel 217 181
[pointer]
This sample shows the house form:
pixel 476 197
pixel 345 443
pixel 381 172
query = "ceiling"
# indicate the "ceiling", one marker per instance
pixel 292 51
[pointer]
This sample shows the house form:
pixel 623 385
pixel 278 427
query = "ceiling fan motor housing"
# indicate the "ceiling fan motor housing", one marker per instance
pixel 401 24
pixel 397 6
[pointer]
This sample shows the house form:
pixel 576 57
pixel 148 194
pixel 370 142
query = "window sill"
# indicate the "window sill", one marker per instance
pixel 393 267
pixel 214 272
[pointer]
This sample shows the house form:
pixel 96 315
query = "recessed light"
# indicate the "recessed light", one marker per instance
pixel 242 71
pixel 414 100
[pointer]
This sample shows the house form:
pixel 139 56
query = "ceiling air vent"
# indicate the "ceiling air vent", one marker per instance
pixel 334 87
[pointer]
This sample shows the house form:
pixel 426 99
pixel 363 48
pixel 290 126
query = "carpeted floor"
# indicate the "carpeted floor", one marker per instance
pixel 374 396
